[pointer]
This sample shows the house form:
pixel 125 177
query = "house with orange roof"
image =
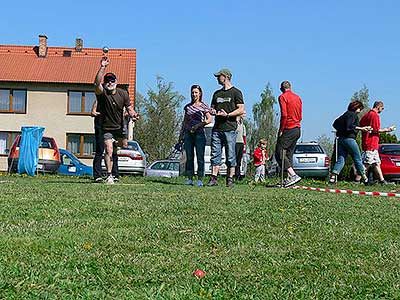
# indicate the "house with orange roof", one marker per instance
pixel 53 87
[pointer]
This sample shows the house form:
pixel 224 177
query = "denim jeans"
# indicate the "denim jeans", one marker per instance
pixel 194 141
pixel 220 139
pixel 348 146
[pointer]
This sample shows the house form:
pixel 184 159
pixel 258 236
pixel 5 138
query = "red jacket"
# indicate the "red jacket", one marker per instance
pixel 260 156
pixel 291 110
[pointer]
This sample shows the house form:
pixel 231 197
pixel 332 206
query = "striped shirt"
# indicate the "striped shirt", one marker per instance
pixel 195 114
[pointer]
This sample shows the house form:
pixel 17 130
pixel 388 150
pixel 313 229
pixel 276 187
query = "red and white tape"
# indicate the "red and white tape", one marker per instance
pixel 382 194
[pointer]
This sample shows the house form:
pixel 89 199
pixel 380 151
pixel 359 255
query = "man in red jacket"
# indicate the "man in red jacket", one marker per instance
pixel 370 140
pixel 289 131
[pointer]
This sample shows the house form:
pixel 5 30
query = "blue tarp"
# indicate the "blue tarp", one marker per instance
pixel 29 149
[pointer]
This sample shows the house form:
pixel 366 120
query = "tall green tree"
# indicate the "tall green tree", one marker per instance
pixel 160 121
pixel 362 95
pixel 327 143
pixel 264 123
pixel 387 138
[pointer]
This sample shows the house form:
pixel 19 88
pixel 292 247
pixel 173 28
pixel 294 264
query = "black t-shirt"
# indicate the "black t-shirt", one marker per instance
pixel 111 108
pixel 228 101
pixel 346 125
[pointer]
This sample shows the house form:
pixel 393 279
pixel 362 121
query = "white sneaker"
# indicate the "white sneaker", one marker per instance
pixel 110 180
pixel 291 180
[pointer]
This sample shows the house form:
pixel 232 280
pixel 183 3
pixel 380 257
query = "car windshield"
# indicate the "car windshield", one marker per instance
pixel 161 165
pixel 133 146
pixel 46 143
pixel 390 149
pixel 72 156
pixel 300 149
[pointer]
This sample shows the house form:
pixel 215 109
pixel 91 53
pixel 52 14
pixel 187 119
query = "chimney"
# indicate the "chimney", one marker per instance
pixel 78 45
pixel 42 45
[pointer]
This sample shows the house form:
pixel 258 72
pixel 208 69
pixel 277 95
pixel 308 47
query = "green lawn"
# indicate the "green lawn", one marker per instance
pixel 67 238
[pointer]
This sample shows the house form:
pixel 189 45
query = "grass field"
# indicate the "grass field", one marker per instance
pixel 67 238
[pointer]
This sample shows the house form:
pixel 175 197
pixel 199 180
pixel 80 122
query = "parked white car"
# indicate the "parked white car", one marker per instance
pixel 131 160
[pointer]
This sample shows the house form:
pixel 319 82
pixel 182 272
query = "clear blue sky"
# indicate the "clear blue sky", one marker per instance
pixel 327 49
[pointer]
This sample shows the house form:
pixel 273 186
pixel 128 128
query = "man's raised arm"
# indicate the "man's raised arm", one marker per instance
pixel 97 81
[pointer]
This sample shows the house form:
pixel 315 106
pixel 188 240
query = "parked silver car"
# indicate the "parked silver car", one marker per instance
pixel 311 160
pixel 131 160
pixel 163 168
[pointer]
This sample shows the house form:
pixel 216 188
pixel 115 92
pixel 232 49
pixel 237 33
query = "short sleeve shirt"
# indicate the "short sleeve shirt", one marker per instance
pixel 111 108
pixel 370 140
pixel 228 101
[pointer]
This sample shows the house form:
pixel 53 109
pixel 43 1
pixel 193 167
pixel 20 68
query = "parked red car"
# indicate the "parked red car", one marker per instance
pixel 390 157
pixel 49 156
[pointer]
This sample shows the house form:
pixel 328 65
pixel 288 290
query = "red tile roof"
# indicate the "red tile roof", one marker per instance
pixel 22 64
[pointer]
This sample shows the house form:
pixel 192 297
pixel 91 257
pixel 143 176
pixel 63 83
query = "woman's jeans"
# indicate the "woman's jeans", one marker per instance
pixel 348 146
pixel 196 141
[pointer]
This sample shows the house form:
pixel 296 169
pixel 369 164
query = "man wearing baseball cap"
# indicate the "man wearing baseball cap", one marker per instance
pixel 110 105
pixel 227 103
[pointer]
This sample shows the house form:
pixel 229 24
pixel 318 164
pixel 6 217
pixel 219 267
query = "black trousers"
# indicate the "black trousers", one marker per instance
pixel 287 141
pixel 239 155
pixel 98 157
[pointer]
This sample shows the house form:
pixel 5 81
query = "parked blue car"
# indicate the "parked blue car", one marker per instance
pixel 71 165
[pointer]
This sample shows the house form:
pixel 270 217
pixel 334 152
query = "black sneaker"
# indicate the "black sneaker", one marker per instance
pixel 213 181
pixel 98 180
pixel 229 182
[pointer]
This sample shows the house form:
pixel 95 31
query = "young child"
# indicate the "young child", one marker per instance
pixel 260 158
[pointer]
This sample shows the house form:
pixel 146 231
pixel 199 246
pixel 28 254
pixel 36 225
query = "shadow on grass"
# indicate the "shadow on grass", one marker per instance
pixel 72 182
pixel 164 181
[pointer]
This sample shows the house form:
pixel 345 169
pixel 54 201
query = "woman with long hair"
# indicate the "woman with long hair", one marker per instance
pixel 197 115
pixel 347 127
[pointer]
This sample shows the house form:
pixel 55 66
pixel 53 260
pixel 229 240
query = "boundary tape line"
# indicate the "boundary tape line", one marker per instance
pixel 351 192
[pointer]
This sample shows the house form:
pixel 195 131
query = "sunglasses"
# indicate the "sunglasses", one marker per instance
pixel 109 81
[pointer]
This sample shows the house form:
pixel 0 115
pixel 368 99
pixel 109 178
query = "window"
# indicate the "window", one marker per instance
pixel 13 101
pixel 81 144
pixel 160 166
pixel 80 102
pixel 300 149
pixel 393 149
pixel 6 140
pixel 173 166
pixel 66 160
